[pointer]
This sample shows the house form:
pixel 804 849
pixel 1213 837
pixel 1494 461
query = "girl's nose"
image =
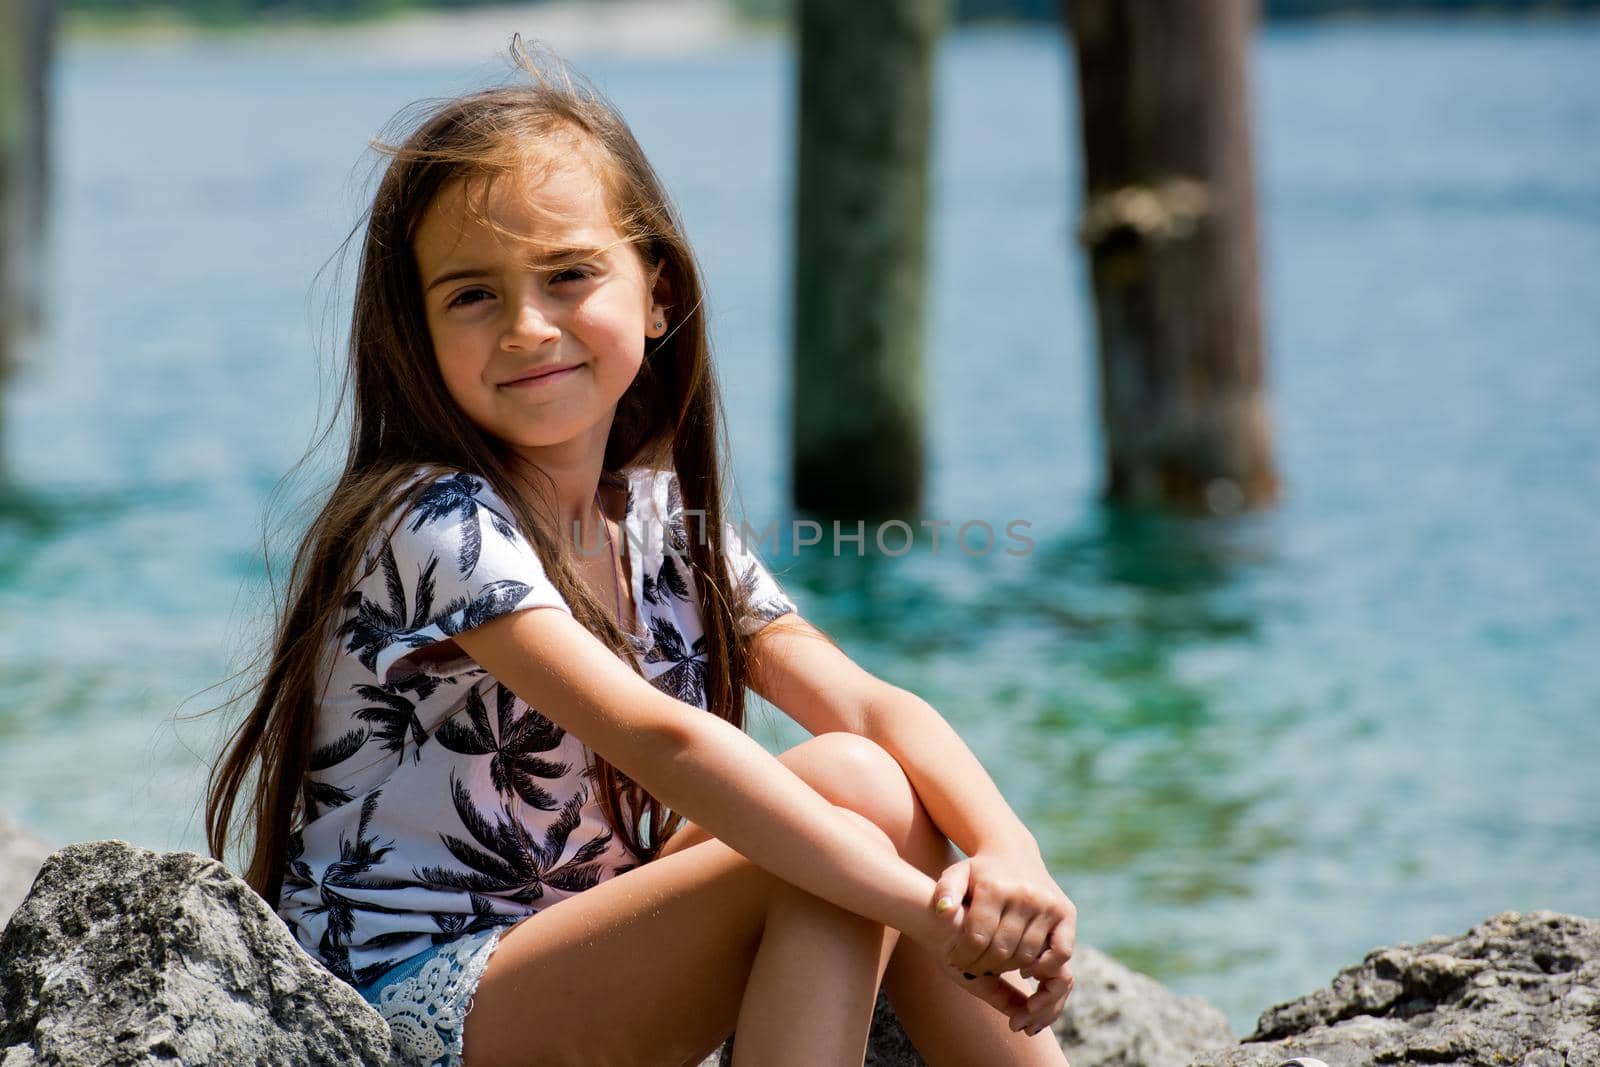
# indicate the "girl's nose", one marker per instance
pixel 530 326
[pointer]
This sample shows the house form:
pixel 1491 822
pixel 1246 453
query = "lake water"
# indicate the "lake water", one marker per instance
pixel 1252 749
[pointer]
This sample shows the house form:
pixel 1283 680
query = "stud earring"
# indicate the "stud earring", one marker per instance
pixel 659 324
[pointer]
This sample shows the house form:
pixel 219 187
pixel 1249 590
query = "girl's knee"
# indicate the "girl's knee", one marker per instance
pixel 857 774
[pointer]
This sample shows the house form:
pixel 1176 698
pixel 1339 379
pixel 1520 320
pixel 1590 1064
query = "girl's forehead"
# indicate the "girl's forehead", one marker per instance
pixel 554 221
pixel 547 212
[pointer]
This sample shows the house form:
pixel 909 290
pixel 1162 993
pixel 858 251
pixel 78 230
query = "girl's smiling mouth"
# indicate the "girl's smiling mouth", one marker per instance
pixel 541 376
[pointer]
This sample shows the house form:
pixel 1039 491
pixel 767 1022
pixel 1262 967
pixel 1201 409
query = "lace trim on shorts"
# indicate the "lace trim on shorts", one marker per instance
pixel 426 1005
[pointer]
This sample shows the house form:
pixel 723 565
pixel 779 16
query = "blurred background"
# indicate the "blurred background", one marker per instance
pixel 1358 707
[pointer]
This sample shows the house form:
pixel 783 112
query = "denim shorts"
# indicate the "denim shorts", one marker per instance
pixel 426 998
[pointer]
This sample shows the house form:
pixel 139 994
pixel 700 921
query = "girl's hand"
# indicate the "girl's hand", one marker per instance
pixel 1031 1006
pixel 1012 916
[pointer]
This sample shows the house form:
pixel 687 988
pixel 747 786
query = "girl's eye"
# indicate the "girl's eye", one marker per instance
pixel 571 274
pixel 468 296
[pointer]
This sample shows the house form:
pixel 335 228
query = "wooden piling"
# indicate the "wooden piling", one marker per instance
pixel 865 117
pixel 1170 227
pixel 27 37
pixel 13 129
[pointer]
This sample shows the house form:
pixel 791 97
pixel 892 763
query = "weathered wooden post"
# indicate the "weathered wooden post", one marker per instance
pixel 43 24
pixel 1170 225
pixel 865 118
pixel 27 35
pixel 13 127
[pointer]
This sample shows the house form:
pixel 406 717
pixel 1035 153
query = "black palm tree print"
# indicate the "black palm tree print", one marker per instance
pixel 323 794
pixel 419 685
pixel 375 626
pixel 508 861
pixel 356 859
pixel 458 495
pixel 393 718
pixel 677 535
pixel 516 745
pixel 461 614
pixel 668 582
pixel 335 950
pixel 746 603
pixel 297 872
pixel 686 678
pixel 453 924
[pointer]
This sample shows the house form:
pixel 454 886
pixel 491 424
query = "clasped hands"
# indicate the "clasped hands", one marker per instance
pixel 995 913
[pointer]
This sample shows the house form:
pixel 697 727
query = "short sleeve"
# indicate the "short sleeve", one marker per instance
pixel 454 561
pixel 765 598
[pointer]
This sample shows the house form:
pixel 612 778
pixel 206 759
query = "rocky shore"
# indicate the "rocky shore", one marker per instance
pixel 121 954
pixel 1517 989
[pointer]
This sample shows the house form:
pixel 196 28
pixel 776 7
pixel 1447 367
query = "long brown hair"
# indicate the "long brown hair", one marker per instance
pixel 402 417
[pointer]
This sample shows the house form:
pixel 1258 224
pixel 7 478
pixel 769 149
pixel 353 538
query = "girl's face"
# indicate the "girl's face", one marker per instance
pixel 535 354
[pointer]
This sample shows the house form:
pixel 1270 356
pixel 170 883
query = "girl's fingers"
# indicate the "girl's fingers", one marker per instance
pixel 1002 953
pixel 997 991
pixel 951 889
pixel 977 929
pixel 1044 1006
pixel 1057 951
pixel 1034 939
pixel 1064 936
pixel 1047 964
pixel 1027 928
pixel 949 899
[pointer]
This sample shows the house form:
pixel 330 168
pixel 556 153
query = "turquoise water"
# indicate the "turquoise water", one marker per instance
pixel 1252 749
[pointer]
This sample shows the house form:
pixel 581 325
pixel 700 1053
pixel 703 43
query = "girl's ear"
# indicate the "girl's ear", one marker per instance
pixel 660 300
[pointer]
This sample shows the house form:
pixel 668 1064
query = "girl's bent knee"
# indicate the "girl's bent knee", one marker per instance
pixel 857 774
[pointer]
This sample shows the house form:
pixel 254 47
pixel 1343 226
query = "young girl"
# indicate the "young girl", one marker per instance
pixel 497 755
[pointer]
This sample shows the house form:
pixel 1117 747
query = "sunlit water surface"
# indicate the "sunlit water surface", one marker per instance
pixel 1252 749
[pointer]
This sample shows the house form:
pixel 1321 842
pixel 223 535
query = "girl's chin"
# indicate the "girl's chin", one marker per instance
pixel 551 437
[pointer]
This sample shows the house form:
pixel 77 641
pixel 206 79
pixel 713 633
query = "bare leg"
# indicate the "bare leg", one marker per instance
pixel 652 967
pixel 811 988
pixel 952 1028
pixel 949 1027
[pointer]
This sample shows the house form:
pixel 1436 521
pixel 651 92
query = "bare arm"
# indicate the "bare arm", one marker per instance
pixel 801 671
pixel 1016 916
pixel 703 767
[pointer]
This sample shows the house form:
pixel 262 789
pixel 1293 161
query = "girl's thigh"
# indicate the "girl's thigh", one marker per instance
pixel 648 967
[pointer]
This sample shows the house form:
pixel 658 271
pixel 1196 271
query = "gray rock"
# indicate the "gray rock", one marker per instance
pixel 1514 991
pixel 1117 1017
pixel 124 955
pixel 21 855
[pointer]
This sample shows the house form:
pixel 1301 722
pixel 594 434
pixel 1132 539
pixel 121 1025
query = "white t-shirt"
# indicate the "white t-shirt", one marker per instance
pixel 437 802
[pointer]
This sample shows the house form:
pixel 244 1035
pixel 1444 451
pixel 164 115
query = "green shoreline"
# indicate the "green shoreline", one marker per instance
pixel 169 22
pixel 157 20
